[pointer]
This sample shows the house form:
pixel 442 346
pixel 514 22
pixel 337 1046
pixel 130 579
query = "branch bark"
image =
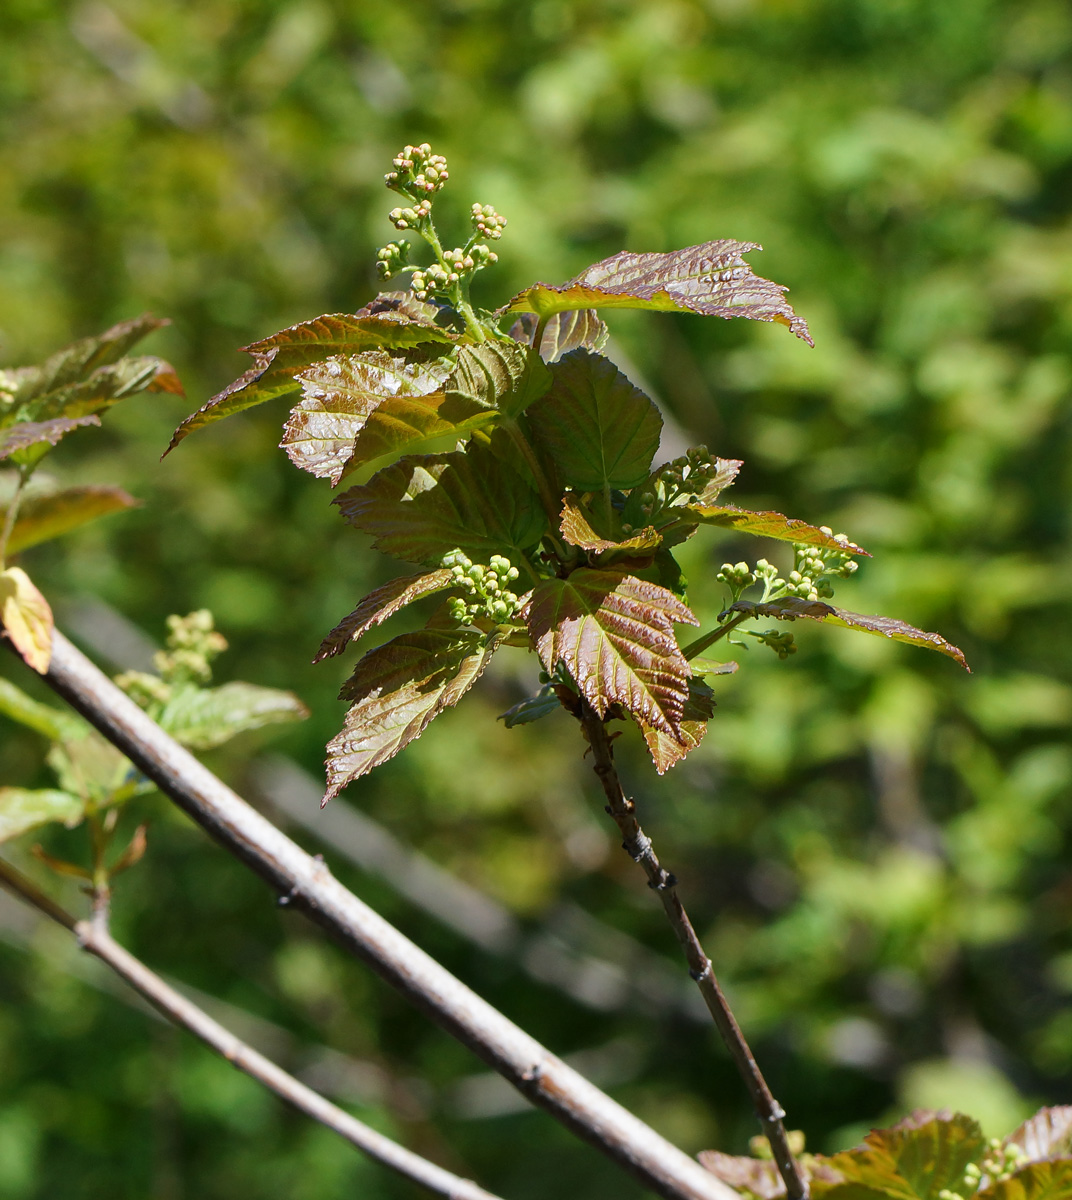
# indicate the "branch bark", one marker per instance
pixel 638 846
pixel 93 937
pixel 306 884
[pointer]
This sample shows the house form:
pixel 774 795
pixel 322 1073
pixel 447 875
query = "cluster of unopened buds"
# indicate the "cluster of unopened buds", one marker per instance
pixel 689 474
pixel 1001 1163
pixel 736 576
pixel 440 278
pixel 490 596
pixel 192 645
pixel 392 258
pixel 487 222
pixel 410 218
pixel 807 579
pixel 417 170
pixel 781 643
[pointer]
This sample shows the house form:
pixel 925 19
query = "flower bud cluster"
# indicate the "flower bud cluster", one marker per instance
pixel 781 643
pixel 487 222
pixel 457 264
pixel 689 474
pixel 736 576
pixel 192 645
pixel 410 218
pixel 1000 1163
pixel 490 598
pixel 812 564
pixel 392 258
pixel 417 170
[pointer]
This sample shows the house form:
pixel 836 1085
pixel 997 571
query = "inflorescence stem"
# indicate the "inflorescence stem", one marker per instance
pixel 638 846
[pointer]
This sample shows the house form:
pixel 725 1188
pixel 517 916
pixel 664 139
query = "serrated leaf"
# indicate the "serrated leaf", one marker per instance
pixel 765 524
pixel 711 279
pixel 532 708
pixel 377 606
pixel 23 809
pixel 424 505
pixel 710 666
pixel 1050 1180
pixel 398 689
pixel 577 528
pixel 31 433
pixel 667 750
pixel 915 1159
pixel 502 375
pixel 791 607
pixel 26 616
pixel 104 387
pixel 76 361
pixel 759 1176
pixel 56 724
pixel 1048 1134
pixel 404 424
pixel 338 395
pixel 726 470
pixel 203 718
pixel 277 359
pixel 49 515
pixel 615 634
pixel 596 427
pixel 577 329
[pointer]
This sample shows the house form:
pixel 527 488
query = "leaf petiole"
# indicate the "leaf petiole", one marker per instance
pixel 709 639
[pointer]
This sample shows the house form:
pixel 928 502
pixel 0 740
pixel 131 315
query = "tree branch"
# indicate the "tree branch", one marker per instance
pixel 93 936
pixel 306 883
pixel 638 846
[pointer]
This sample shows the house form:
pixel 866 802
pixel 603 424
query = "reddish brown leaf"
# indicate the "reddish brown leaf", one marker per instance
pixel 403 424
pixel 666 750
pixel 576 527
pixel 615 633
pixel 1048 1134
pixel 166 379
pixel 766 524
pixel 711 279
pixel 759 1176
pixel 377 606
pixel 31 433
pixel 43 517
pixel 791 607
pixel 576 329
pixel 398 689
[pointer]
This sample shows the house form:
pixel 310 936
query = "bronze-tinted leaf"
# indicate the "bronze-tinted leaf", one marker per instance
pixel 1037 1181
pixel 916 1159
pixel 666 749
pixel 499 374
pixel 27 618
pixel 398 689
pixel 759 1176
pixel 575 329
pixel 711 279
pixel 100 390
pixel 23 809
pixel 166 380
pixel 377 606
pixel 596 427
pixel 615 634
pixel 404 424
pixel 425 504
pixel 278 358
pixel 338 395
pixel 576 527
pixel 32 433
pixel 1048 1134
pixel 765 524
pixel 725 473
pixel 791 607
pixel 49 515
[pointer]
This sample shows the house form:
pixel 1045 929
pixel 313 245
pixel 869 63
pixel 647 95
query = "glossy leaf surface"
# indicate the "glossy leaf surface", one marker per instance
pixel 666 750
pixel 377 606
pixel 1048 1134
pixel 576 528
pixel 498 374
pixel 31 433
pixel 574 329
pixel 766 524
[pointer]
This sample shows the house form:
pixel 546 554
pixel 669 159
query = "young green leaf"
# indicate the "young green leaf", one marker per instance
pixel 203 718
pixel 615 634
pixel 30 433
pixel 597 428
pixel 577 329
pixel 764 524
pixel 23 809
pixel 425 505
pixel 337 397
pixel 398 689
pixel 277 359
pixel 50 514
pixel 791 607
pixel 377 606
pixel 26 616
pixel 501 375
pixel 56 724
pixel 104 387
pixel 711 279
pixel 577 528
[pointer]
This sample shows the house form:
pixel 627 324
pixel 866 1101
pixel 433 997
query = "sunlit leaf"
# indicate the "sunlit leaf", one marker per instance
pixel 337 397
pixel 56 724
pixel 765 524
pixel 711 279
pixel 576 329
pixel 596 427
pixel 426 504
pixel 27 618
pixel 666 749
pixel 377 606
pixel 791 607
pixel 1037 1181
pixel 398 689
pixel 23 809
pixel 203 718
pixel 404 424
pixel 615 634
pixel 277 359
pixel 725 473
pixel 711 666
pixel 51 514
pixel 576 528
pixel 502 375
pixel 1048 1134
pixel 31 433
pixel 104 387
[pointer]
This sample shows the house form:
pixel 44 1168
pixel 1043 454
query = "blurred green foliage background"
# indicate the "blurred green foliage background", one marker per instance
pixel 874 845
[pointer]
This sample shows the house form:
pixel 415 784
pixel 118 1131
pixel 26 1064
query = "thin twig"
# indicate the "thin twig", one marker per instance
pixel 306 884
pixel 638 846
pixel 93 936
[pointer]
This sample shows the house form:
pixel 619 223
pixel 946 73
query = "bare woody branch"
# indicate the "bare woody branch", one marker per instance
pixel 305 883
pixel 93 936
pixel 638 846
